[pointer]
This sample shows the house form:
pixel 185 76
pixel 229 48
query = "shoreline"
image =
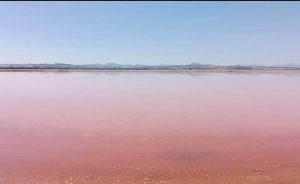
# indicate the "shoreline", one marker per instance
pixel 258 70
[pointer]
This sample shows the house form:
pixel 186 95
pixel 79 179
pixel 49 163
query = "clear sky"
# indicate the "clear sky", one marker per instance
pixel 222 33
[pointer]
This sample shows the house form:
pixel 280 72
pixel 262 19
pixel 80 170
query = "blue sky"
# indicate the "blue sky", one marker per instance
pixel 221 33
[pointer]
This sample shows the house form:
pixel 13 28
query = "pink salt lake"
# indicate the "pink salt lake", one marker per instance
pixel 149 127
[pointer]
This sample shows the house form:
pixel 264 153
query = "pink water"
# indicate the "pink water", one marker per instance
pixel 147 127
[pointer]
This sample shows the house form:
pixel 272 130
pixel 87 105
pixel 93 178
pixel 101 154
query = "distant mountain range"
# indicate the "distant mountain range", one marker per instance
pixel 116 66
pixel 289 65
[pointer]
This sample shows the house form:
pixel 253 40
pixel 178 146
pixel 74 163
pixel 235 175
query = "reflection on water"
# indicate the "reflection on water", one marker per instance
pixel 147 127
